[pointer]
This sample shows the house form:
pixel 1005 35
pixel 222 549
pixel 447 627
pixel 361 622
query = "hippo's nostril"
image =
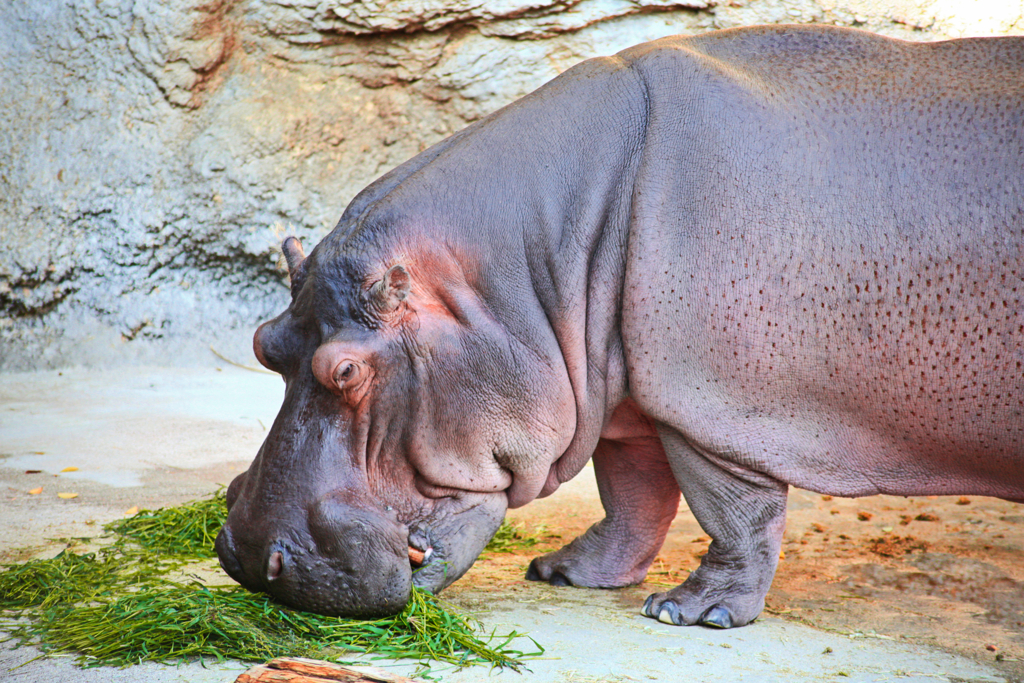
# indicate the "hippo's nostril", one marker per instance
pixel 275 565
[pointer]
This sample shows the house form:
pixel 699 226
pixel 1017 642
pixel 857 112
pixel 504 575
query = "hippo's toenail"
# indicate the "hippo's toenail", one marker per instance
pixel 717 617
pixel 669 614
pixel 559 579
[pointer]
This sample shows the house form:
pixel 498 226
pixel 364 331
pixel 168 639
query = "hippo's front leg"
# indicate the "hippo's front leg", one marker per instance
pixel 640 498
pixel 744 513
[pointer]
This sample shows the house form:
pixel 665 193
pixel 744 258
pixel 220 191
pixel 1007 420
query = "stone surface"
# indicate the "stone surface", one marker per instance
pixel 156 151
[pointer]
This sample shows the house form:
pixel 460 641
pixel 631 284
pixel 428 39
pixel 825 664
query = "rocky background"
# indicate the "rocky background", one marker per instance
pixel 153 153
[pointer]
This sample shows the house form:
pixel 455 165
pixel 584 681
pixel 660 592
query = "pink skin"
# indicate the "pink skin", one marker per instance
pixel 435 301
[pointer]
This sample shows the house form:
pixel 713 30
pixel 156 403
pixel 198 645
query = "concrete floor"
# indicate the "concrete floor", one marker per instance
pixel 156 436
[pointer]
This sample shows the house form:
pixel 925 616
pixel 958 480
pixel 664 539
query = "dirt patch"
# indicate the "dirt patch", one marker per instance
pixel 896 546
pixel 939 571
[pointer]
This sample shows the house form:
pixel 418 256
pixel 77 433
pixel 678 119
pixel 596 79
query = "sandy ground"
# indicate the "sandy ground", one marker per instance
pixel 945 572
pixel 871 589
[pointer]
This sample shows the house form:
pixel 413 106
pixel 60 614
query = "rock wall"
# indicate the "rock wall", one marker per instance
pixel 154 152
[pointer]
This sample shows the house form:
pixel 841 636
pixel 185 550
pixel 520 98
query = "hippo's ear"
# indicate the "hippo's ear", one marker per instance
pixel 386 294
pixel 293 254
pixel 296 259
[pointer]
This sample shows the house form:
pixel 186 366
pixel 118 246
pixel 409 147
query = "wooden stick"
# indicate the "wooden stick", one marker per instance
pixel 302 670
pixel 264 674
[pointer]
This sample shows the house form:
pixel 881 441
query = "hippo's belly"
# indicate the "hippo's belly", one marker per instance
pixel 843 367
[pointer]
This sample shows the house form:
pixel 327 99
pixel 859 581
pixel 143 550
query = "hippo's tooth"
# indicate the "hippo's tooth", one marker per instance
pixel 419 557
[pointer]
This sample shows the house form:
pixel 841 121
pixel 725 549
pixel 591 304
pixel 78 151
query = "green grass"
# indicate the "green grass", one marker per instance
pixel 132 601
pixel 187 530
pixel 512 538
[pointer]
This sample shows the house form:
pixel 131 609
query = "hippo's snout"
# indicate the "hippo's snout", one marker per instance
pixel 342 560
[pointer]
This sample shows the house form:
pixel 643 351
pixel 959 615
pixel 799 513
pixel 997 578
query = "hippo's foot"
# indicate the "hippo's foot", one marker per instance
pixel 600 558
pixel 722 598
pixel 744 513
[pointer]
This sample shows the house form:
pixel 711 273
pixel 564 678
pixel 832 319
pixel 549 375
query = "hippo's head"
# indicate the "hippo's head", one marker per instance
pixel 411 420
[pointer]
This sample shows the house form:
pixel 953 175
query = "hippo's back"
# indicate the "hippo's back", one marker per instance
pixel 826 259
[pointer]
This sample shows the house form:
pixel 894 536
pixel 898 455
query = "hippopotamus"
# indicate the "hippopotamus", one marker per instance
pixel 714 266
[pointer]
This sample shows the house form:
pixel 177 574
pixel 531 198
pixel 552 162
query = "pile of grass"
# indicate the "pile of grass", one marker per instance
pixel 187 530
pixel 132 601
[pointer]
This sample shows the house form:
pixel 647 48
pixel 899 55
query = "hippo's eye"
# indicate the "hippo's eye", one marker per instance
pixel 344 372
pixel 349 376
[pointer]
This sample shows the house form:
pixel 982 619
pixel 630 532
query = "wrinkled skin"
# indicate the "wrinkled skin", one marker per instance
pixel 718 265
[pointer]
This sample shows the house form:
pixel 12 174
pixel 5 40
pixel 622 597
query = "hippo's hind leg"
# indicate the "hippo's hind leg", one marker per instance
pixel 744 513
pixel 640 498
